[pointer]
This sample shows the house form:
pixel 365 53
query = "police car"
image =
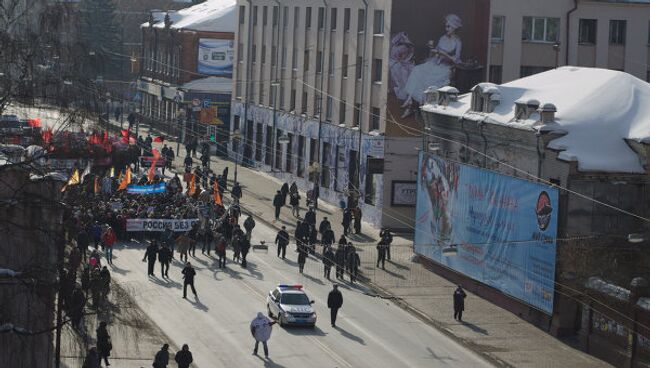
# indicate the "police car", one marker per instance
pixel 290 306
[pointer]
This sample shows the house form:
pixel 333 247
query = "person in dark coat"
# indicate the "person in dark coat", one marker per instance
pixel 310 217
pixel 302 257
pixel 354 263
pixel 245 246
pixel 334 303
pixel 282 240
pixel 339 258
pixel 104 345
pixel 315 194
pixel 165 257
pixel 92 359
pixel 381 255
pixel 162 357
pixel 294 201
pixel 236 192
pixel 188 279
pixel 188 162
pixel 83 240
pixel 249 225
pixel 324 226
pixel 357 220
pixel 150 256
pixel 78 304
pixel 284 190
pixel 347 219
pixel 328 261
pixel 459 303
pixel 277 204
pixel 386 238
pixel 184 357
pixel 293 188
pixel 328 238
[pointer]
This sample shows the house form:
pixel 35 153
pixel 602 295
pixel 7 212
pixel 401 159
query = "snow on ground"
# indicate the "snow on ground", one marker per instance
pixel 598 109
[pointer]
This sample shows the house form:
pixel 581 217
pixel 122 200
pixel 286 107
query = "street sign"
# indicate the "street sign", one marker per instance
pixel 206 104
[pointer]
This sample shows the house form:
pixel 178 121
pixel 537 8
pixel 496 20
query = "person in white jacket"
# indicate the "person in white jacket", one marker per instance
pixel 261 331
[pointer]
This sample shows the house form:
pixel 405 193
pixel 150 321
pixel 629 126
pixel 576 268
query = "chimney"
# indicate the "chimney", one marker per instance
pixel 446 94
pixel 547 113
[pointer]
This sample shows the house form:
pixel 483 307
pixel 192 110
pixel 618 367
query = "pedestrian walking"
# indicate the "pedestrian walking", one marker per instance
pixel 357 220
pixel 277 204
pixel 294 201
pixel 354 263
pixel 249 225
pixel 188 279
pixel 334 303
pixel 104 344
pixel 339 259
pixel 387 238
pixel 459 303
pixel 164 257
pixel 236 192
pixel 310 217
pixel 324 226
pixel 162 357
pixel 108 239
pixel 183 243
pixel 347 219
pixel 150 257
pixel 328 261
pixel 83 240
pixel 381 254
pixel 302 256
pixel 261 328
pixel 188 162
pixel 221 251
pixel 282 240
pixel 245 247
pixel 184 357
pixel 96 233
pixel 315 195
pixel 92 359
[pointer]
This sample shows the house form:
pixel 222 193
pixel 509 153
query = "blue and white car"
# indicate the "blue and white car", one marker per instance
pixel 290 305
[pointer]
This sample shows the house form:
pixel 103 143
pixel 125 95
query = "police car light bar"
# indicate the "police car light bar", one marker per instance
pixel 283 286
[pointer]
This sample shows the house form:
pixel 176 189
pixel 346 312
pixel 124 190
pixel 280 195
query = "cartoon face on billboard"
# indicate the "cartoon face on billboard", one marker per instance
pixel 544 210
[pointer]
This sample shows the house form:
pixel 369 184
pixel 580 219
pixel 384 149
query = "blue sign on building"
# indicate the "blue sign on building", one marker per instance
pixel 494 228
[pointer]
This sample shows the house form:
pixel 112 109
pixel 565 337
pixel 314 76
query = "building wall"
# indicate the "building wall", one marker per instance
pixel 516 57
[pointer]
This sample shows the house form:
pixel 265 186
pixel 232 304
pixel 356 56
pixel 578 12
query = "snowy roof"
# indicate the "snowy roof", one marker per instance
pixel 210 16
pixel 597 111
pixel 210 85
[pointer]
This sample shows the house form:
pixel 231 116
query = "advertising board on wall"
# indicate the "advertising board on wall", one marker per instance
pixel 446 44
pixel 404 193
pixel 215 57
pixel 502 230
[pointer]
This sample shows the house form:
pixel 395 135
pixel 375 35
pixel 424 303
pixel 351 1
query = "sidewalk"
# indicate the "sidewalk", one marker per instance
pixel 495 333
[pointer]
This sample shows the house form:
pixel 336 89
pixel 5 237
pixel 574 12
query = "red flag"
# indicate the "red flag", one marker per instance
pixel 159 139
pixel 124 132
pixel 34 123
pixel 47 135
pixel 152 169
pixel 105 138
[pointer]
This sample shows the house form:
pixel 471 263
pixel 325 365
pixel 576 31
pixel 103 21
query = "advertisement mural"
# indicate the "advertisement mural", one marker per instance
pixel 215 57
pixel 446 45
pixel 493 228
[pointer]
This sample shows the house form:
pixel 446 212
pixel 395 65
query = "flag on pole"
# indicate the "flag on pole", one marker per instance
pixel 159 139
pixel 216 194
pixel 192 187
pixel 152 169
pixel 74 180
pixel 126 180
pixel 112 172
pixel 86 171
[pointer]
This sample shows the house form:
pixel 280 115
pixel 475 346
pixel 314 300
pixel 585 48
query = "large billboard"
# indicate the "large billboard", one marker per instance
pixel 215 57
pixel 435 43
pixel 494 228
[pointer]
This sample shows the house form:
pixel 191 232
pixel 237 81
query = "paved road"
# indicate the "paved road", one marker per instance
pixel 371 332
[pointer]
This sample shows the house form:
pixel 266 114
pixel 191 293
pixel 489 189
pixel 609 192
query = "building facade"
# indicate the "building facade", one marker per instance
pixel 186 70
pixel 529 37
pixel 320 99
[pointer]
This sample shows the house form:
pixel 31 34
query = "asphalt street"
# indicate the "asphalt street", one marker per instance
pixel 371 332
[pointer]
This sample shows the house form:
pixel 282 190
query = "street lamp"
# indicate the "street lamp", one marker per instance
pixel 236 136
pixel 275 86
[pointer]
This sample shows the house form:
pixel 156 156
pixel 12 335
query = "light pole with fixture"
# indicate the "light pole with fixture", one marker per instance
pixel 236 136
pixel 275 86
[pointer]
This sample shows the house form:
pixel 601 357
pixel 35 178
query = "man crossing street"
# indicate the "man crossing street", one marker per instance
pixel 334 302
pixel 188 279
pixel 282 239
pixel 150 256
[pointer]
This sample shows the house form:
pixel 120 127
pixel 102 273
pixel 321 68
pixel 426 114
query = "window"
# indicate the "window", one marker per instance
pixel 362 20
pixel 242 14
pixel 285 17
pixel 342 107
pixel 294 58
pixel 330 64
pixel 265 15
pixel 346 19
pixel 498 23
pixel 263 54
pixel 540 29
pixel 344 66
pixel 308 17
pixel 326 172
pixel 296 16
pixel 321 18
pixel 292 106
pixel 375 117
pixel 328 112
pixel 254 53
pixel 303 107
pixel 284 57
pixel 496 74
pixel 587 31
pixel 526 71
pixel 357 114
pixel 274 55
pixel 255 15
pixel 617 32
pixel 240 52
pixel 306 60
pixel 378 24
pixel 319 62
pixel 376 70
pixel 275 16
pixel 333 19
pixel 358 66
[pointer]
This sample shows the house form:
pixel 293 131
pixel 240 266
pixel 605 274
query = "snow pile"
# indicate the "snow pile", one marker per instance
pixel 210 16
pixel 597 110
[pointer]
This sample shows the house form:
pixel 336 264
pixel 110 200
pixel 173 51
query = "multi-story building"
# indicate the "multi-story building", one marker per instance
pixel 186 70
pixel 326 91
pixel 528 36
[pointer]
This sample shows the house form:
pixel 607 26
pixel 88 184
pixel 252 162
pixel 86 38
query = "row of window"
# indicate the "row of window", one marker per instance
pixel 158 61
pixel 378 18
pixel 547 29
